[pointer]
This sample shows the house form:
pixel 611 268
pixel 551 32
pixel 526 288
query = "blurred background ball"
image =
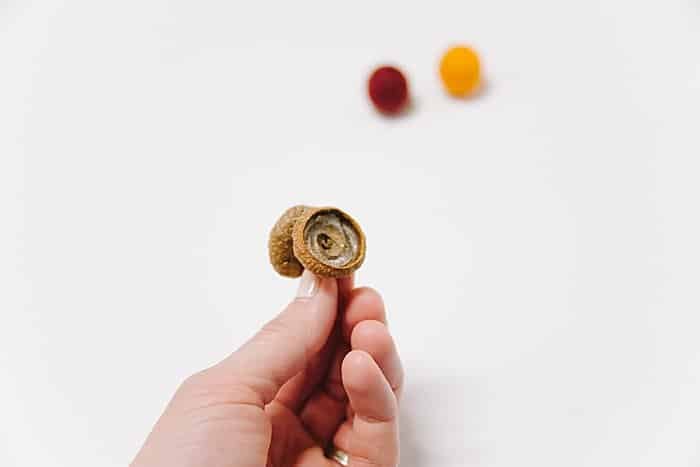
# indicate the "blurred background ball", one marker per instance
pixel 388 90
pixel 459 70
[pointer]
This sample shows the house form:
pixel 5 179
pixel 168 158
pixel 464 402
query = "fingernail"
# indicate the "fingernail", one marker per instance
pixel 308 285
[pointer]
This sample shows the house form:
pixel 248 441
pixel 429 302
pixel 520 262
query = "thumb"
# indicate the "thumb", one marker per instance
pixel 284 346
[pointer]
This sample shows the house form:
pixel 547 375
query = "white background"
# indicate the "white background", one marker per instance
pixel 538 246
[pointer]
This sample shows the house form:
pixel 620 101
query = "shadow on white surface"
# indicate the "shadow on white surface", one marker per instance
pixel 441 419
pixel 485 88
pixel 413 454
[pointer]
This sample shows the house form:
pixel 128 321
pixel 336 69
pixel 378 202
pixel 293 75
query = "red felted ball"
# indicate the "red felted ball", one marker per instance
pixel 388 89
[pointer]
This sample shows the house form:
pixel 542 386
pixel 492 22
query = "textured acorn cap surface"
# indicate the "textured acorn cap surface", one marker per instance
pixel 325 240
pixel 328 242
pixel 280 243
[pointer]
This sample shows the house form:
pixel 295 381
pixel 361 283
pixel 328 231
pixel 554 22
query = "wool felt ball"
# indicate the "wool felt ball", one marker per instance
pixel 388 90
pixel 460 71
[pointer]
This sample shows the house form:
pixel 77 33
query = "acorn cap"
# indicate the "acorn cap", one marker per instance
pixel 280 243
pixel 328 242
pixel 325 240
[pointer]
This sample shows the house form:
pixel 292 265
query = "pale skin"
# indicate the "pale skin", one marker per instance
pixel 324 371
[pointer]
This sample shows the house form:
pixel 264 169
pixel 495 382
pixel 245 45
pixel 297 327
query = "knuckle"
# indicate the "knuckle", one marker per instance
pixel 208 388
pixel 273 329
pixel 196 382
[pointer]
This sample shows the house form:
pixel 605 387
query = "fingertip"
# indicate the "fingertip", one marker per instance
pixel 369 296
pixel 369 392
pixel 364 303
pixel 311 285
pixel 328 286
pixel 372 336
pixel 317 300
pixel 324 308
pixel 357 371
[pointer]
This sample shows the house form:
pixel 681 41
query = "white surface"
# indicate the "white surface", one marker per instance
pixel 550 313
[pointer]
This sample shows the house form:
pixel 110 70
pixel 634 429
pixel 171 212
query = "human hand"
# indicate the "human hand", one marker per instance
pixel 304 382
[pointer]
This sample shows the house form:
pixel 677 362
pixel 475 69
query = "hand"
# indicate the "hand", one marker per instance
pixel 311 378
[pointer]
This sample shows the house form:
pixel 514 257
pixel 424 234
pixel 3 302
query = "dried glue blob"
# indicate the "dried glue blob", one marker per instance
pixel 326 241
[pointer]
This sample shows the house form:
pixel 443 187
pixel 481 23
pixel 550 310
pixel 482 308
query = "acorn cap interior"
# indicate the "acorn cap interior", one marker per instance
pixel 332 239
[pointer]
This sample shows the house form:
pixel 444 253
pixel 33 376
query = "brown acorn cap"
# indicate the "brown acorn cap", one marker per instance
pixel 328 242
pixel 280 243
